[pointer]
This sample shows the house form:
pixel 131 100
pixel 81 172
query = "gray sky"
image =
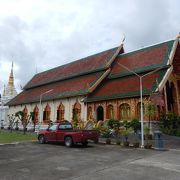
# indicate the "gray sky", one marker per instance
pixel 41 34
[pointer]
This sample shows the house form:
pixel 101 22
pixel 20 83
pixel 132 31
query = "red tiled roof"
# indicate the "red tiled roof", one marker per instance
pixel 143 59
pixel 125 87
pixel 176 61
pixel 83 66
pixel 67 88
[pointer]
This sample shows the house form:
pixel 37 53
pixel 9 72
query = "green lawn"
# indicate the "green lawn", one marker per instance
pixel 7 137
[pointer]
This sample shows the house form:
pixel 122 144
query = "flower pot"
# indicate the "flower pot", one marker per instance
pixel 126 143
pixel 135 144
pixel 118 142
pixel 108 141
pixel 148 146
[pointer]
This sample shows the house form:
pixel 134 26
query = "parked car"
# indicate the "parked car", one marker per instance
pixel 63 132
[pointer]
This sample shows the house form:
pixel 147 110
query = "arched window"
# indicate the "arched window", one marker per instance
pixel 110 112
pixel 60 112
pixel 124 110
pixel 25 115
pixel 36 114
pixel 138 110
pixel 77 111
pixel 100 113
pixel 46 114
pixel 89 112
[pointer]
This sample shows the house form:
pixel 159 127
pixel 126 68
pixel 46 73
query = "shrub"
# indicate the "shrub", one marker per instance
pixel 126 124
pixel 135 125
pixel 114 123
pixel 170 124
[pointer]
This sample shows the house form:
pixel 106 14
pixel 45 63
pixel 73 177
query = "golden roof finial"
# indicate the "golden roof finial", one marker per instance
pixel 11 77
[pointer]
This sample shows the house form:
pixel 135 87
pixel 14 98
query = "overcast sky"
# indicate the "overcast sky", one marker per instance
pixel 41 34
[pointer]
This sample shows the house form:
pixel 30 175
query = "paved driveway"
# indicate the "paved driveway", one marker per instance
pixel 50 161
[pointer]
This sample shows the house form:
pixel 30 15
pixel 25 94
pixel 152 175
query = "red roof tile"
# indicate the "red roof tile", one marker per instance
pixel 67 88
pixel 141 60
pixel 83 66
pixel 176 61
pixel 125 87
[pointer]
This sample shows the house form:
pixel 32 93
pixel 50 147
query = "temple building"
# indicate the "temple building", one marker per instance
pixel 106 86
pixel 9 92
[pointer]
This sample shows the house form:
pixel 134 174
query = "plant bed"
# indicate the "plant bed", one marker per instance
pixel 118 142
pixel 148 146
pixel 108 141
pixel 126 143
pixel 136 144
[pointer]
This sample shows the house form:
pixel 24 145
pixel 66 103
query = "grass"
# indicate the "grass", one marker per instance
pixel 8 137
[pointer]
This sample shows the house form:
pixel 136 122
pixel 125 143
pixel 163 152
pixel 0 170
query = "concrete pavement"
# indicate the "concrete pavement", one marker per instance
pixel 53 161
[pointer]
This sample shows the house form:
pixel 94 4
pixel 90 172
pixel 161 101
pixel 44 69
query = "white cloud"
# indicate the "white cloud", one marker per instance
pixel 41 34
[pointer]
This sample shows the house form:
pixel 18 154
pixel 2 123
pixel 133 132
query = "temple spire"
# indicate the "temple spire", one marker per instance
pixel 10 89
pixel 11 77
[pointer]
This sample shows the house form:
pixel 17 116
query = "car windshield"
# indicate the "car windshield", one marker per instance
pixel 65 126
pixel 53 127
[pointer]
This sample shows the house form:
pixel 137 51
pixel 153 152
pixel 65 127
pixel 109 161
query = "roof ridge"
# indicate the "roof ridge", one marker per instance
pixel 145 47
pixel 67 78
pixel 72 62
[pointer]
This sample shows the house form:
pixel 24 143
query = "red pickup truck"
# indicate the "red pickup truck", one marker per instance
pixel 63 132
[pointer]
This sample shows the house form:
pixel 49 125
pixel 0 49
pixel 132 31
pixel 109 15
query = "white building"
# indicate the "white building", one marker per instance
pixel 8 93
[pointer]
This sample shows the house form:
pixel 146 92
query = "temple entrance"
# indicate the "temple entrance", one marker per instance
pixel 100 113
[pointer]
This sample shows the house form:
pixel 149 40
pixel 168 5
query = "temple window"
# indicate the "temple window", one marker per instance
pixel 110 112
pixel 46 114
pixel 138 110
pixel 60 113
pixel 25 111
pixel 89 112
pixel 35 115
pixel 77 111
pixel 124 111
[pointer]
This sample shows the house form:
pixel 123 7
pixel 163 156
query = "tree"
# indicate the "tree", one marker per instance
pixel 11 119
pixel 24 120
pixel 136 125
pixel 150 111
pixel 33 120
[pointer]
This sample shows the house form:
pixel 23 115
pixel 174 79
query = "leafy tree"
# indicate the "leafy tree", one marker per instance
pixel 114 123
pixel 24 120
pixel 150 111
pixel 135 124
pixel 11 119
pixel 75 120
pixel 33 120
pixel 126 124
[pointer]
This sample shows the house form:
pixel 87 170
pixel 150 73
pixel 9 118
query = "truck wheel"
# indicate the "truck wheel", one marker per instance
pixel 41 139
pixel 85 143
pixel 68 141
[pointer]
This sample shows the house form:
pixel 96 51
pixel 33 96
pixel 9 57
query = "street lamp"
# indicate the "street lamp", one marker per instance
pixel 40 105
pixel 141 100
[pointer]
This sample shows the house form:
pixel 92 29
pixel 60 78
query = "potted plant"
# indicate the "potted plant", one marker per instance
pixel 106 134
pixel 125 133
pixel 146 135
pixel 135 143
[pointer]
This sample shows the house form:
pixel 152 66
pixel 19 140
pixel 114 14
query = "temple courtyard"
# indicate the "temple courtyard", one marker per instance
pixel 31 160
